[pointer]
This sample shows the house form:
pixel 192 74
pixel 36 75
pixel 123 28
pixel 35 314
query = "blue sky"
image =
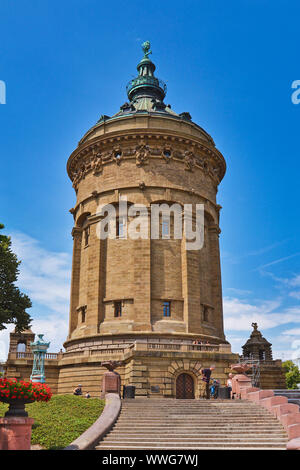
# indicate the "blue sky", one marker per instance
pixel 230 64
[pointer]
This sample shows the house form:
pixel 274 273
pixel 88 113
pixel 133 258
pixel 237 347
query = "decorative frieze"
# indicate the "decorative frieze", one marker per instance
pixel 92 158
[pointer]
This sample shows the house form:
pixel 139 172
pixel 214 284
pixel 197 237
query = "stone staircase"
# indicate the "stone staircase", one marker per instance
pixel 194 424
pixel 293 396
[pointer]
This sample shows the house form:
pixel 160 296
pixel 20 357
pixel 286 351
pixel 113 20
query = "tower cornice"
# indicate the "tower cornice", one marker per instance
pixel 121 145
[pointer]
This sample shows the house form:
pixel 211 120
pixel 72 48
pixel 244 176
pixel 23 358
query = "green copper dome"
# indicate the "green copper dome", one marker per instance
pixel 146 84
pixel 146 93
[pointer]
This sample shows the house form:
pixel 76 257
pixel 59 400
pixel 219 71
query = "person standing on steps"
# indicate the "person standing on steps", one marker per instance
pixel 206 373
pixel 229 384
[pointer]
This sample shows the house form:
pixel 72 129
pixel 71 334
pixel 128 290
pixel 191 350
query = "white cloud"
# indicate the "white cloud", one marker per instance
pixel 4 342
pixel 295 281
pixel 292 332
pixel 238 315
pixel 45 278
pixel 44 275
pixel 239 291
pixel 55 330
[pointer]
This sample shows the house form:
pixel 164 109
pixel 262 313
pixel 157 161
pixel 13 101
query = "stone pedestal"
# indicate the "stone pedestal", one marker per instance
pixel 240 381
pixel 111 383
pixel 15 433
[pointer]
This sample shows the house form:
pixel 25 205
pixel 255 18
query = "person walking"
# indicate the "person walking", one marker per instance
pixel 206 373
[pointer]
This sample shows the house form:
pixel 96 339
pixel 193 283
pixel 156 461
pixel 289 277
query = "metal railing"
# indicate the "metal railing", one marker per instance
pixel 146 80
pixel 254 372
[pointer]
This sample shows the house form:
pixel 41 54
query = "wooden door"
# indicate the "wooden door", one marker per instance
pixel 185 386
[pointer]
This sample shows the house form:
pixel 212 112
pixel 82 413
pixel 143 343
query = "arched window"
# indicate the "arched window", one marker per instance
pixel 21 347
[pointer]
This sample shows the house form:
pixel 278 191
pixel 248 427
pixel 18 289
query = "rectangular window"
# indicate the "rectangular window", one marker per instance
pixel 83 315
pixel 86 236
pixel 165 227
pixel 118 308
pixel 120 227
pixel 205 313
pixel 167 309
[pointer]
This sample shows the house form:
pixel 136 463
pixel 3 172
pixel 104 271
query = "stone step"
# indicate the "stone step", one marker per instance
pixel 195 425
pixel 133 422
pixel 207 430
pixel 191 431
pixel 199 437
pixel 157 413
pixel 215 447
pixel 182 440
pixel 190 445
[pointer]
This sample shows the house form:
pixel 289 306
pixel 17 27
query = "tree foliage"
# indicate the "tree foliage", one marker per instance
pixel 292 374
pixel 13 303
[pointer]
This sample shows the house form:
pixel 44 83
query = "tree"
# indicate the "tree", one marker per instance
pixel 13 303
pixel 292 374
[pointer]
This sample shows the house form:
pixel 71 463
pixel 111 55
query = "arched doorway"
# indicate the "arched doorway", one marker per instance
pixel 185 386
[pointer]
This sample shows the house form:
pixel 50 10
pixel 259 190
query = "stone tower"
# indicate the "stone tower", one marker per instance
pixel 257 347
pixel 144 294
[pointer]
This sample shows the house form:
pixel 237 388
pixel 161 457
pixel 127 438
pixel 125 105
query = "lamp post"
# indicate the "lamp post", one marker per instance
pixel 39 349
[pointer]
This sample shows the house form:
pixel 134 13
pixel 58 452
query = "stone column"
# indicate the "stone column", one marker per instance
pixel 94 287
pixel 216 283
pixel 142 284
pixel 190 288
pixel 75 280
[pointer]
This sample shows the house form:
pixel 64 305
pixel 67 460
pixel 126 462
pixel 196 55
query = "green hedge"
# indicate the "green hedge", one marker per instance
pixel 61 420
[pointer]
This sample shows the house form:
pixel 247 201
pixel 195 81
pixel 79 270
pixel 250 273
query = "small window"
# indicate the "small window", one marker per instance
pixel 82 311
pixel 262 355
pixel 86 236
pixel 167 309
pixel 117 155
pixel 205 313
pixel 118 308
pixel 21 347
pixel 120 229
pixel 165 229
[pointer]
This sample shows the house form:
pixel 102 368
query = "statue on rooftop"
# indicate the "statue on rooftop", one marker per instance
pixel 146 48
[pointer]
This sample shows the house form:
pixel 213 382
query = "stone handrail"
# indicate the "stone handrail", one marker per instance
pixel 101 426
pixel 287 413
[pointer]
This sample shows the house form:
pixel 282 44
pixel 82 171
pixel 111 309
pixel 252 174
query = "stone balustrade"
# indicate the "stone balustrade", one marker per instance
pixel 287 413
pixel 29 355
pixel 139 345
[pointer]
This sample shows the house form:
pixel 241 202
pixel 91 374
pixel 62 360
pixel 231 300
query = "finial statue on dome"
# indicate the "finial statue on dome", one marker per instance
pixel 146 48
pixel 254 326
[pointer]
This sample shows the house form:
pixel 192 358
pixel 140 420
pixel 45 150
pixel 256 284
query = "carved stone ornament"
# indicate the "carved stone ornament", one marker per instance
pixel 111 365
pixel 189 160
pixel 142 153
pixel 79 175
pixel 97 164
